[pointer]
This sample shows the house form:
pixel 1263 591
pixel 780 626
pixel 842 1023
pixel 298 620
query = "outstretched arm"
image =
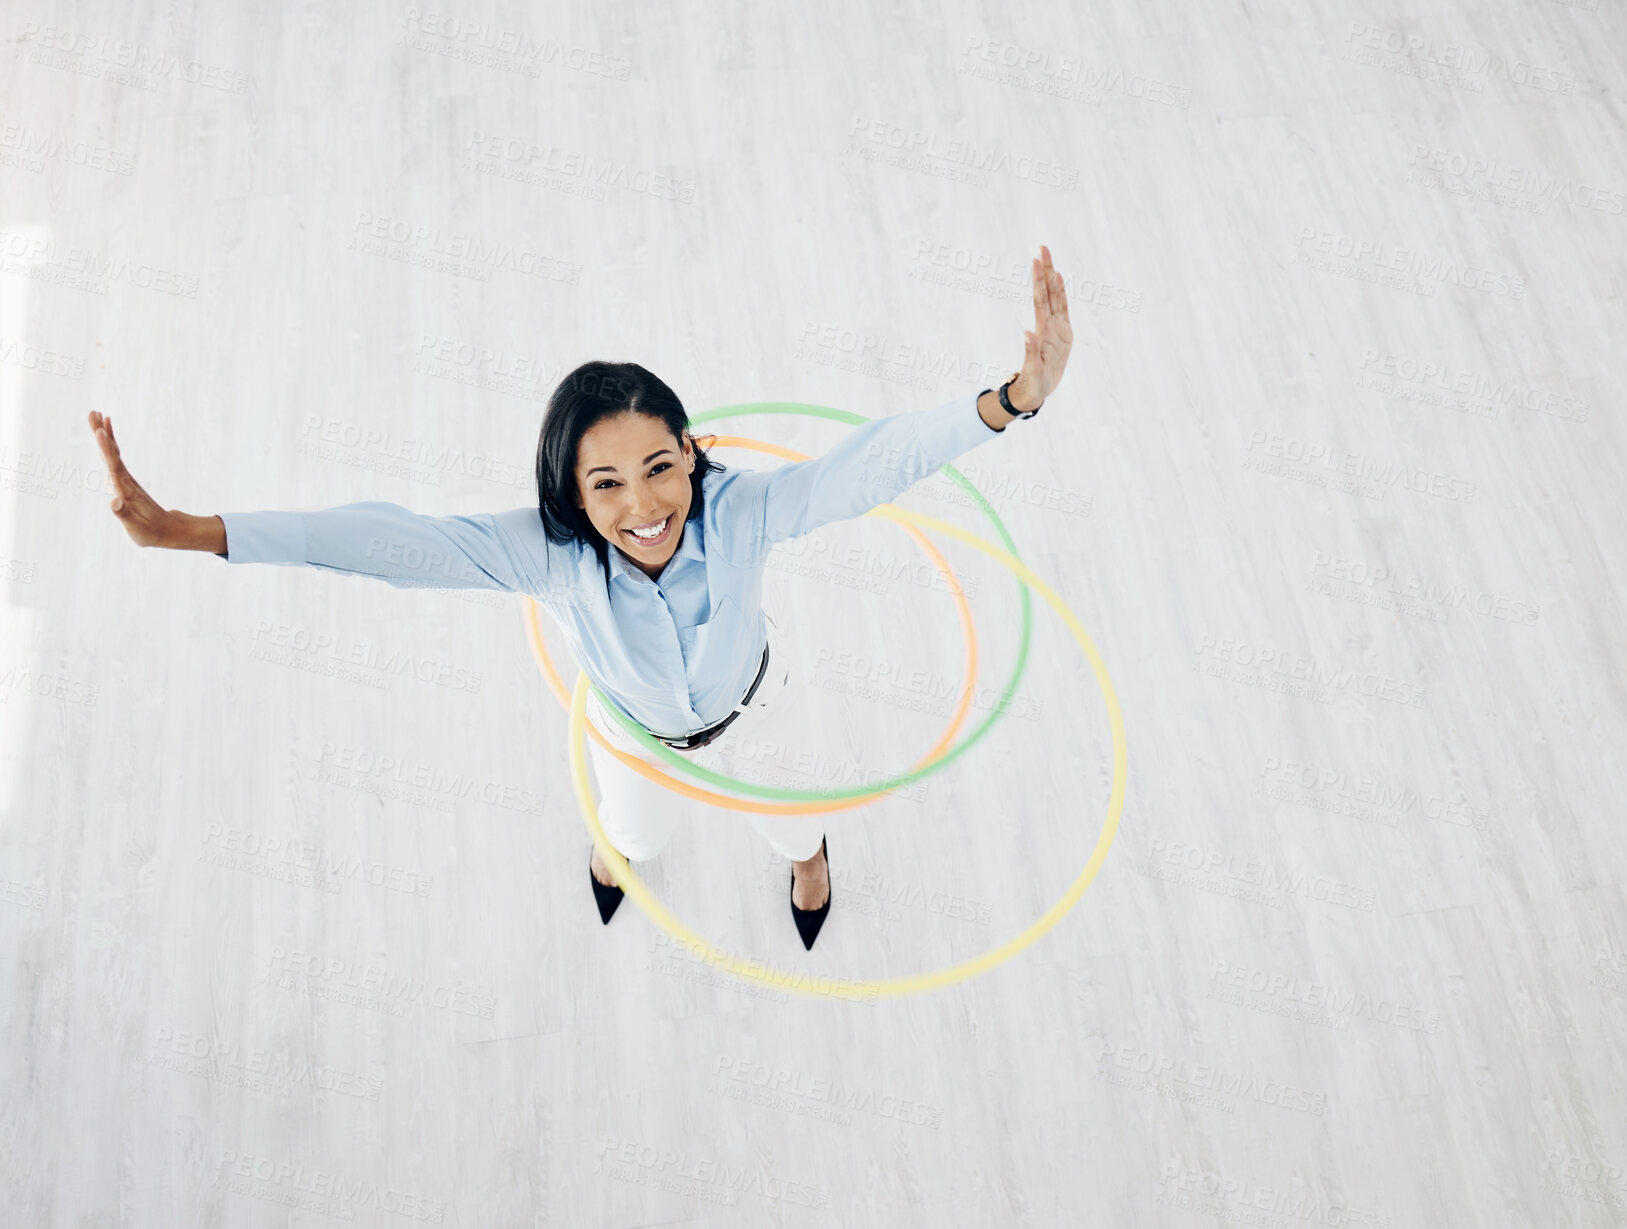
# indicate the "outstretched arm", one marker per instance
pixel 390 543
pixel 504 550
pixel 870 465
pixel 883 458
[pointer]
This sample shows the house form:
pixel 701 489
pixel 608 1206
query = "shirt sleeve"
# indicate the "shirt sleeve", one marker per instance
pixel 871 465
pixel 398 546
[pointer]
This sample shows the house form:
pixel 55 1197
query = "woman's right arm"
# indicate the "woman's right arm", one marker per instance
pixel 505 550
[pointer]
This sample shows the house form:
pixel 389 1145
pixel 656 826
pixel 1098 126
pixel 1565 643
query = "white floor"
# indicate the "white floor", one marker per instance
pixel 289 936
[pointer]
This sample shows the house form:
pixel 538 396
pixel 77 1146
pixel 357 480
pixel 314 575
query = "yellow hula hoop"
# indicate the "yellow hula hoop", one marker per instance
pixel 820 985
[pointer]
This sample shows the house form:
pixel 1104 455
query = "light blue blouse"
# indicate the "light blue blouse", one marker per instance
pixel 677 653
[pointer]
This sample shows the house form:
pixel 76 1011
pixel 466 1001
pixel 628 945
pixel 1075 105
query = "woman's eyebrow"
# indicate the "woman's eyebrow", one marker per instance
pixel 612 468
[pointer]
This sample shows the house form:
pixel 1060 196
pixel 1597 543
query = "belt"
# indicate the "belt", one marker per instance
pixel 694 742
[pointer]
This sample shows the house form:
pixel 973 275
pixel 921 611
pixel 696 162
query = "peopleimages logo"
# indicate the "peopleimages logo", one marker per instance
pixel 1352 1004
pixel 1222 866
pixel 339 1194
pixel 33 147
pixel 792 1085
pixel 1237 1198
pixel 1528 180
pixel 1380 256
pixel 114 59
pixel 1386 582
pixel 915 142
pixel 81 269
pixel 1476 386
pixel 230 1062
pixel 30 357
pixel 1208 1077
pixel 1380 475
pixel 1266 660
pixel 1457 57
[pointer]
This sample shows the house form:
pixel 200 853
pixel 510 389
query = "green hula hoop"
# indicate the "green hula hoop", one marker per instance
pixel 674 759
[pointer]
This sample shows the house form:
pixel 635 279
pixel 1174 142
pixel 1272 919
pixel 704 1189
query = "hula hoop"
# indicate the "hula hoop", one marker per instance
pixel 862 794
pixel 801 980
pixel 644 768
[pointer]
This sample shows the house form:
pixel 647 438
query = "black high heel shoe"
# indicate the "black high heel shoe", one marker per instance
pixel 607 897
pixel 810 920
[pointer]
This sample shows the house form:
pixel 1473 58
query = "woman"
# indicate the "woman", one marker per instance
pixel 669 623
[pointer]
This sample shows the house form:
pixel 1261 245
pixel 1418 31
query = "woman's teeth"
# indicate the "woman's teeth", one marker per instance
pixel 648 534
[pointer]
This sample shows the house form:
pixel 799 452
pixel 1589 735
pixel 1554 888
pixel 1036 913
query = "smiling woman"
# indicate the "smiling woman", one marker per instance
pixel 669 624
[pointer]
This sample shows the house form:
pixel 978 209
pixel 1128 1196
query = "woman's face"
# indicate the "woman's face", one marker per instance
pixel 632 474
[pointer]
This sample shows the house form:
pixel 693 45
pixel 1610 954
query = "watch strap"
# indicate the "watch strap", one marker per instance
pixel 1005 402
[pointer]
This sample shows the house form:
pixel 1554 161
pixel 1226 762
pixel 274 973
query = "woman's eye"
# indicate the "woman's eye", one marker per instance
pixel 600 485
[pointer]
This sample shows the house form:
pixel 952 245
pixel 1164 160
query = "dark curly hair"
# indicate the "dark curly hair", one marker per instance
pixel 595 391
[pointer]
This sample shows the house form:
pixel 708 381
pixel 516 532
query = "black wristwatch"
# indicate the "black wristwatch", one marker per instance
pixel 1005 402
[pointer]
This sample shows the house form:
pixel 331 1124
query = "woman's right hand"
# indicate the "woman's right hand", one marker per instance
pixel 145 522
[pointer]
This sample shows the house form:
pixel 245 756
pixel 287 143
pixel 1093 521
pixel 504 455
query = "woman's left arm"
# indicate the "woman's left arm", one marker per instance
pixel 883 458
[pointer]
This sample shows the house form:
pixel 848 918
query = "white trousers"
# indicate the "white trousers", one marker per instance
pixel 639 816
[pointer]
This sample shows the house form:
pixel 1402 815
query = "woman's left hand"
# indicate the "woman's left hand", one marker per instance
pixel 1045 350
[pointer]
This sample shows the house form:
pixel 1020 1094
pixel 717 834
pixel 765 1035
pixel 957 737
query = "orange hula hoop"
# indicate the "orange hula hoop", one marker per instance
pixel 651 772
